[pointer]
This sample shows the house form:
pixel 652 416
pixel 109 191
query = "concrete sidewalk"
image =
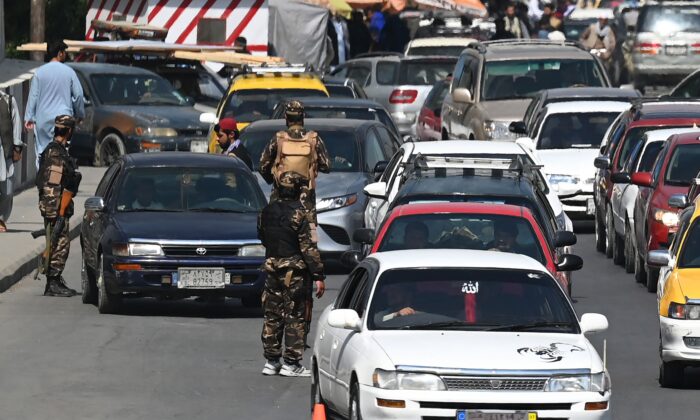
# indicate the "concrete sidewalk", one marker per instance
pixel 18 250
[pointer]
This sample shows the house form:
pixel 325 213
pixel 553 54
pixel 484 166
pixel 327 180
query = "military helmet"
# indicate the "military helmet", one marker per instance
pixel 294 111
pixel 64 121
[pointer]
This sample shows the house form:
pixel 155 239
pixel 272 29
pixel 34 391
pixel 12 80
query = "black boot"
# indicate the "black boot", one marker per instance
pixel 53 288
pixel 64 286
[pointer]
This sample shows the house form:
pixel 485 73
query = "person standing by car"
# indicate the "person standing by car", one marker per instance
pixel 228 138
pixel 10 152
pixel 515 24
pixel 292 261
pixel 55 90
pixel 58 180
pixel 600 36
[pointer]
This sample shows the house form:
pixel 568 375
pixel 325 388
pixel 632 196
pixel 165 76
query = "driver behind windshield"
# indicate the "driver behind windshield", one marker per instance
pixel 505 235
pixel 416 236
pixel 145 196
pixel 397 300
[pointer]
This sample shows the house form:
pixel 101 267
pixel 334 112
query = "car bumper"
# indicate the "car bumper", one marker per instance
pixel 577 202
pixel 673 345
pixel 335 228
pixel 159 276
pixel 445 404
pixel 166 144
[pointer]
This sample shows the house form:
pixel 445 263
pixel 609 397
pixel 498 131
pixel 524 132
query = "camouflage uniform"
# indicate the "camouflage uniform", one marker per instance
pixel 292 263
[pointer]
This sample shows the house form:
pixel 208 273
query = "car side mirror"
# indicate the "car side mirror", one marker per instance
pixel 350 259
pixel 658 258
pixel 593 323
pixel 518 127
pixel 569 262
pixel 620 178
pixel 208 118
pixel 376 190
pixel 602 162
pixel 364 236
pixel 564 238
pixel 346 319
pixel 462 96
pixel 408 138
pixel 94 204
pixel 87 101
pixel 380 167
pixel 642 179
pixel 678 201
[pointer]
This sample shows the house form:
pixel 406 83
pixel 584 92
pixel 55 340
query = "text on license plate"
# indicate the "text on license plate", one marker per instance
pixel 199 146
pixel 676 50
pixel 200 278
pixel 480 415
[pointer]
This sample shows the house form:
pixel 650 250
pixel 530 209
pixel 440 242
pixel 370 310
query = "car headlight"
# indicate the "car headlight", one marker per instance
pixel 251 251
pixel 681 311
pixel 497 130
pixel 404 117
pixel 668 218
pixel 597 382
pixel 137 250
pixel 333 203
pixel 556 179
pixel 389 379
pixel 155 132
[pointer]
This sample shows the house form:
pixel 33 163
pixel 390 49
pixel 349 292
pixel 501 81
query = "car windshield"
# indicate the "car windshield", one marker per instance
pixel 667 20
pixel 449 50
pixel 424 73
pixel 575 130
pixel 651 152
pixel 250 105
pixel 522 79
pixel 470 299
pixel 684 165
pixel 341 145
pixel 130 89
pixel 201 87
pixel 690 254
pixel 189 189
pixel 463 231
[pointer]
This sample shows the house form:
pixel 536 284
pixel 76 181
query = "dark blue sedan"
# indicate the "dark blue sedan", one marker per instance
pixel 173 225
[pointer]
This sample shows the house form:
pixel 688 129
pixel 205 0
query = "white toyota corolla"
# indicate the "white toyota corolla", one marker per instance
pixel 457 334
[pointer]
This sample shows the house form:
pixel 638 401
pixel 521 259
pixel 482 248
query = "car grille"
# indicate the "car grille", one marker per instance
pixel 336 233
pixel 495 406
pixel 198 132
pixel 465 383
pixel 208 250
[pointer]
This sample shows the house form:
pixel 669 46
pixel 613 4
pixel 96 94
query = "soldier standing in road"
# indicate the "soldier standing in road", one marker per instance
pixel 57 181
pixel 292 262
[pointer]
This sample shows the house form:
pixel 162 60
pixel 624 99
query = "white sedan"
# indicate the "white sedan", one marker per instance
pixel 442 334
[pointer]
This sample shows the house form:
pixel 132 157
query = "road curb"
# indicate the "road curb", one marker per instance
pixel 9 276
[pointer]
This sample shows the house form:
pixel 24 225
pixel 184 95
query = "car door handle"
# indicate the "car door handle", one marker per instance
pixel 335 344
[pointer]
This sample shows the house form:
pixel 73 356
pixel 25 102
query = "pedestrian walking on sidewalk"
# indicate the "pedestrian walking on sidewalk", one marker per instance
pixel 10 152
pixel 58 180
pixel 292 263
pixel 55 90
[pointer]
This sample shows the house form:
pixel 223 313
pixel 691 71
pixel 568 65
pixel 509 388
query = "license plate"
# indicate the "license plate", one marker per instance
pixel 480 415
pixel 590 207
pixel 199 146
pixel 676 50
pixel 200 278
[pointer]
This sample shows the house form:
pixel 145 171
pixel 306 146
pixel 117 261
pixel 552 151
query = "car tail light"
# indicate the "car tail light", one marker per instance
pixel 650 48
pixel 401 96
pixel 695 48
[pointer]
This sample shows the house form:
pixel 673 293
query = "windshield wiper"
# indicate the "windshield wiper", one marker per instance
pixel 150 210
pixel 217 210
pixel 534 325
pixel 441 324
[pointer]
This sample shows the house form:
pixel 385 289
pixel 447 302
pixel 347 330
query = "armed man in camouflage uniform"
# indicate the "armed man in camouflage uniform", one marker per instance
pixel 57 180
pixel 294 115
pixel 292 263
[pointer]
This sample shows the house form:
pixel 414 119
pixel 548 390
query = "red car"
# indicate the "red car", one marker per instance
pixel 622 137
pixel 675 169
pixel 470 226
pixel 429 124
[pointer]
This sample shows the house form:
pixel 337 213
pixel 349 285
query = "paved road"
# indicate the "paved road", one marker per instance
pixel 60 359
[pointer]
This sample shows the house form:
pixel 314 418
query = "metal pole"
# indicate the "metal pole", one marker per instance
pixel 38 26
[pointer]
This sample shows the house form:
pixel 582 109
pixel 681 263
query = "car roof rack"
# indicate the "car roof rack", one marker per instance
pixel 565 43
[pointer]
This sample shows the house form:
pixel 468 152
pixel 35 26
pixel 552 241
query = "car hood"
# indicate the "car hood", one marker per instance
pixel 329 185
pixel 179 117
pixel 486 350
pixel 576 162
pixel 188 226
pixel 506 110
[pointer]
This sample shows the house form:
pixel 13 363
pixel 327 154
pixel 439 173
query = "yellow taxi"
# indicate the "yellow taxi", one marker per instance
pixel 678 296
pixel 253 96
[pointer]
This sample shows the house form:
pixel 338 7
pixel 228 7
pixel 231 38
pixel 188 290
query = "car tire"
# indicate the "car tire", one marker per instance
pixel 599 233
pixel 355 412
pixel 609 234
pixel 630 252
pixel 109 149
pixel 618 250
pixel 640 273
pixel 89 284
pixel 107 303
pixel 652 278
pixel 316 397
pixel 671 374
pixel 254 301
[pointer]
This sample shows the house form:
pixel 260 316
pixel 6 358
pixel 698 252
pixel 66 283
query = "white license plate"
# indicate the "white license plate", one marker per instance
pixel 480 415
pixel 199 146
pixel 590 207
pixel 200 278
pixel 676 50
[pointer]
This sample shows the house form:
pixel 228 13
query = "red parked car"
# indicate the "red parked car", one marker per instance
pixel 621 139
pixel 429 122
pixel 470 226
pixel 662 194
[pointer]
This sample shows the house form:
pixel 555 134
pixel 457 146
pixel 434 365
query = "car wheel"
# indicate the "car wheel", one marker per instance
pixel 652 278
pixel 107 303
pixel 629 250
pixel 618 250
pixel 640 273
pixel 254 301
pixel 599 233
pixel 89 285
pixel 609 234
pixel 671 374
pixel 316 397
pixel 108 150
pixel 355 411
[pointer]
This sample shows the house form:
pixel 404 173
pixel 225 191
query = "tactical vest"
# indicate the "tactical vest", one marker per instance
pixel 279 239
pixel 6 131
pixel 296 155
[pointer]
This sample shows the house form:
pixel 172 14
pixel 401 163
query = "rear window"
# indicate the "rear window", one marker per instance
pixel 424 73
pixel 668 20
pixel 336 91
pixel 575 130
pixel 684 165
pixel 250 105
